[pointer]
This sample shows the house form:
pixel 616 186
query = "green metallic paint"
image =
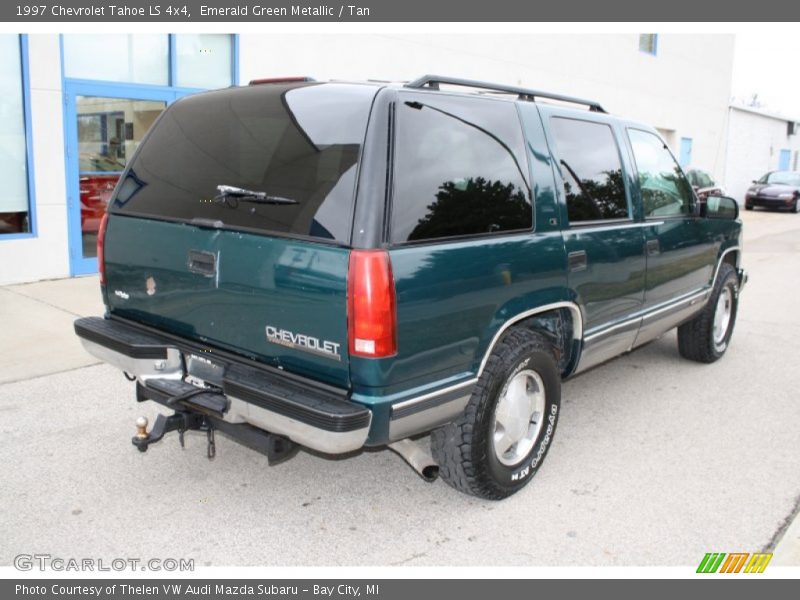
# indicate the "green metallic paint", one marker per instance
pixel 453 296
pixel 612 285
pixel 294 285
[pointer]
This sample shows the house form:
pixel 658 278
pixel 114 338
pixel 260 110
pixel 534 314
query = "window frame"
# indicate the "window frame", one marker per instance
pixel 693 211
pixel 392 180
pixel 172 69
pixel 26 120
pixel 553 143
pixel 655 44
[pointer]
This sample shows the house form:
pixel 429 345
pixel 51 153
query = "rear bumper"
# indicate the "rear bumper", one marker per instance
pixel 312 414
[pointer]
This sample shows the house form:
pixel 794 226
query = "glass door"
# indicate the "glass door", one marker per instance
pixel 105 125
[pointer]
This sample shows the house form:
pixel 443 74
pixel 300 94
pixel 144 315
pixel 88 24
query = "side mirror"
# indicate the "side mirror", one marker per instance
pixel 721 207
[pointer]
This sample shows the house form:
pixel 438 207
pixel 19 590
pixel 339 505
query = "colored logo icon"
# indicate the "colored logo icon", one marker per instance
pixel 735 562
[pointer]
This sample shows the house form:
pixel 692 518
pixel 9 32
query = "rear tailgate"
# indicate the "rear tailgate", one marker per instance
pixel 263 275
pixel 275 300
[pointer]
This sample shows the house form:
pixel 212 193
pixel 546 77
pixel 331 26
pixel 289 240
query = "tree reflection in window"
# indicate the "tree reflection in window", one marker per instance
pixel 590 166
pixel 459 169
pixel 595 199
pixel 474 206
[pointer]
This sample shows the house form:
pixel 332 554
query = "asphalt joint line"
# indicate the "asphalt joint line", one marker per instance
pixel 40 301
pixel 86 366
pixel 783 526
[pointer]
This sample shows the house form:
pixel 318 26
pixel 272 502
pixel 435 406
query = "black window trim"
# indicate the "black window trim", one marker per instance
pixel 390 192
pixel 628 197
pixel 693 214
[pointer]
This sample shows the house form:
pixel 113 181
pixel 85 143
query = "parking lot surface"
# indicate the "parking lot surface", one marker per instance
pixel 656 460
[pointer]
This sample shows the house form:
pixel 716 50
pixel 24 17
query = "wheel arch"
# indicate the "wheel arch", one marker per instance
pixel 731 255
pixel 561 322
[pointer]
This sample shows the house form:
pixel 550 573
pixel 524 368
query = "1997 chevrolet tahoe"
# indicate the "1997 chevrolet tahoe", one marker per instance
pixel 340 265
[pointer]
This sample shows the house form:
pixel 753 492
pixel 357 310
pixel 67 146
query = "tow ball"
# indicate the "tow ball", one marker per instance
pixel 180 421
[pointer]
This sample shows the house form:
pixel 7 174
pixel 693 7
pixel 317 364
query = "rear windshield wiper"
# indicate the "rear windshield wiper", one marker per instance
pixel 231 196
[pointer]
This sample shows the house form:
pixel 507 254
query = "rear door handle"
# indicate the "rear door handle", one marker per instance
pixel 577 261
pixel 204 263
pixel 653 247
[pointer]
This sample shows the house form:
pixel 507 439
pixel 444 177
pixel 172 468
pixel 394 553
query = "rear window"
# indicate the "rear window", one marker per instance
pixel 297 148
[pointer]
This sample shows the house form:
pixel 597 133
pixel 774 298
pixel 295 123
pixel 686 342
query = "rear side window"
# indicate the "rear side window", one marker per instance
pixel 588 157
pixel 665 191
pixel 298 147
pixel 460 169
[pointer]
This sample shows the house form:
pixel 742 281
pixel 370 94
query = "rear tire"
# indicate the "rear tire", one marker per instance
pixel 500 441
pixel 748 206
pixel 706 337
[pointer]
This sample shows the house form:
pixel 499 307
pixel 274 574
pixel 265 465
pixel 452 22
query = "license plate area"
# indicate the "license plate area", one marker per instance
pixel 203 371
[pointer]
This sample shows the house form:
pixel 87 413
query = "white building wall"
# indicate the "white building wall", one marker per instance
pixel 754 144
pixel 684 90
pixel 45 256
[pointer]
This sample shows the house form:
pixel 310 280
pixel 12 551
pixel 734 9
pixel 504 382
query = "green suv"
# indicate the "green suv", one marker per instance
pixel 342 265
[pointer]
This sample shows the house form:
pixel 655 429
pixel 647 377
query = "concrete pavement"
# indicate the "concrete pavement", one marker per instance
pixel 37 322
pixel 656 461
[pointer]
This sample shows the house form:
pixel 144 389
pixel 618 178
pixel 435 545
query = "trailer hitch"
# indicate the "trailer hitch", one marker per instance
pixel 180 421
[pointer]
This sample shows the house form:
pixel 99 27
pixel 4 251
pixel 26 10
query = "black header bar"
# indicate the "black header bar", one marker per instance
pixel 464 11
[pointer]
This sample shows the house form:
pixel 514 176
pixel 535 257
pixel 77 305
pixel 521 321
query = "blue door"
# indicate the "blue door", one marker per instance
pixel 784 159
pixel 686 152
pixel 104 124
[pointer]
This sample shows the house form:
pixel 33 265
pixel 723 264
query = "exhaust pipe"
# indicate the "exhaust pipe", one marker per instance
pixel 419 459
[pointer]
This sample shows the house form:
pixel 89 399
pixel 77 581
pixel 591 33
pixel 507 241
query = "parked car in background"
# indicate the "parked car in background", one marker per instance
pixel 776 189
pixel 703 184
pixel 98 176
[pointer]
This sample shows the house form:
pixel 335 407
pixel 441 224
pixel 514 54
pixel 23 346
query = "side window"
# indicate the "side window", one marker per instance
pixel 588 157
pixel 460 169
pixel 665 190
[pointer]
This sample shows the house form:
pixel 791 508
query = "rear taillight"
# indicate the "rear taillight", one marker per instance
pixel 372 326
pixel 101 238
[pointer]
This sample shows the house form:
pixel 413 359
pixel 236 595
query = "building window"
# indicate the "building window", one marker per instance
pixel 131 58
pixel 191 61
pixel 15 214
pixel 203 60
pixel 648 43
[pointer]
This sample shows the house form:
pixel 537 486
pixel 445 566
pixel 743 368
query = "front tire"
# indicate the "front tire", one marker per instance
pixel 500 441
pixel 706 337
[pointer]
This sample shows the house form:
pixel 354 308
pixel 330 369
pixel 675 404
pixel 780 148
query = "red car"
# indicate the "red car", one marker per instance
pixel 776 189
pixel 98 176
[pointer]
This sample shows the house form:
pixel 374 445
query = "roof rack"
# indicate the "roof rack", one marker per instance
pixel 432 82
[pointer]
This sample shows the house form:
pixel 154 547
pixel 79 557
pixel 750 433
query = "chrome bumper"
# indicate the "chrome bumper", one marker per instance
pixel 311 414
